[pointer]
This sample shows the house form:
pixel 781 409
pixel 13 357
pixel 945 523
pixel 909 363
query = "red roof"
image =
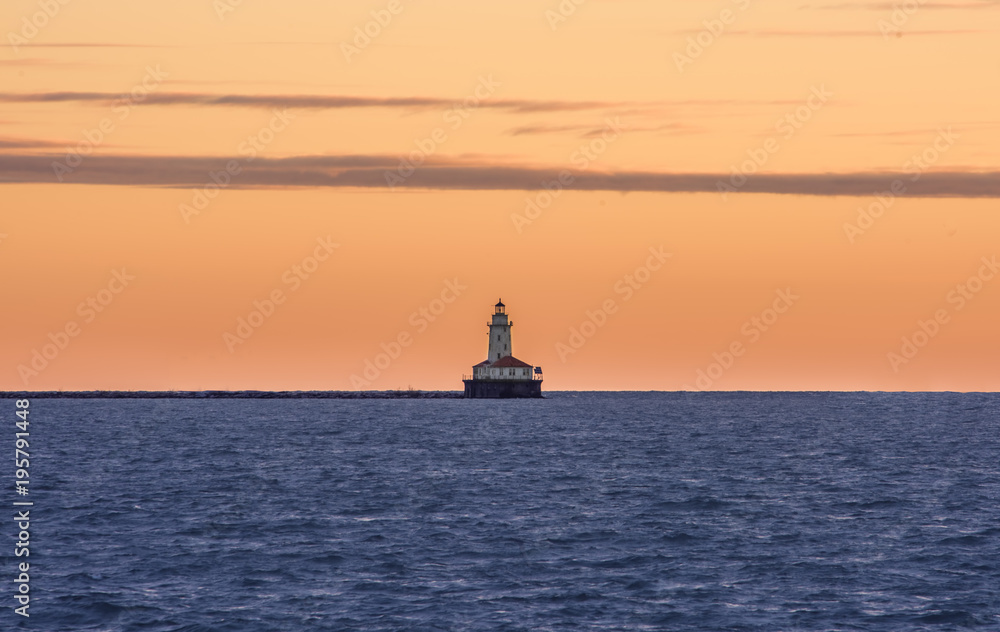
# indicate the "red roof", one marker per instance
pixel 483 363
pixel 510 361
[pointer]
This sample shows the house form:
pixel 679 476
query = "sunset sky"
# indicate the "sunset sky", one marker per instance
pixel 812 184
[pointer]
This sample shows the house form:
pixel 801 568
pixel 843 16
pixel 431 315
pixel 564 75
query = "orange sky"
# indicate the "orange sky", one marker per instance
pixel 802 110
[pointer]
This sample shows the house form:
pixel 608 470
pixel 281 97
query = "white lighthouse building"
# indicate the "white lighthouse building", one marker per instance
pixel 499 334
pixel 501 374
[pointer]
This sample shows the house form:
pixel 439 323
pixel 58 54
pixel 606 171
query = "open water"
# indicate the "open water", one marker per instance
pixel 582 511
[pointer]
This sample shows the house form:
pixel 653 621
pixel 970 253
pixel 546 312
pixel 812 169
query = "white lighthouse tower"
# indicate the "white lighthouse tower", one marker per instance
pixel 500 333
pixel 501 374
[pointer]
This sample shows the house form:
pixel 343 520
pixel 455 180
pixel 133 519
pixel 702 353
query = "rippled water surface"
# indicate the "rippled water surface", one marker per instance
pixel 578 512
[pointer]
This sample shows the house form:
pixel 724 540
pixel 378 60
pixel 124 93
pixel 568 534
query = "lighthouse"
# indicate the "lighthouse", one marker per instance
pixel 502 375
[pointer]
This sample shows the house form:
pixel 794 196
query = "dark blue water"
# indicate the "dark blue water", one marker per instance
pixel 579 512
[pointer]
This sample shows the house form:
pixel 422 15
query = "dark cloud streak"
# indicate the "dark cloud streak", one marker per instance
pixel 315 101
pixel 320 102
pixel 369 172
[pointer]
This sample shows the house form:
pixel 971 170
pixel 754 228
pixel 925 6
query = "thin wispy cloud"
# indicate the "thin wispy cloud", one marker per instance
pixel 368 171
pixel 315 101
pixel 28 143
pixel 93 45
pixel 331 102
pixel 525 130
pixel 590 131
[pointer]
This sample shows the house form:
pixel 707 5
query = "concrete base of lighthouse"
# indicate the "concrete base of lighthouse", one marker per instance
pixel 502 389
